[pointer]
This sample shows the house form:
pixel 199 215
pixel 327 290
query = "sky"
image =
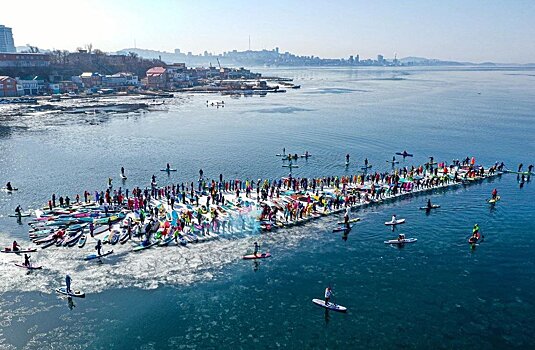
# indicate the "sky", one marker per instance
pixel 462 30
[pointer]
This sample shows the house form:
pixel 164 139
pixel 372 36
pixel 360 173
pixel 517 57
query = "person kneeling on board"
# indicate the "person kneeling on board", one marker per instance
pixel 401 237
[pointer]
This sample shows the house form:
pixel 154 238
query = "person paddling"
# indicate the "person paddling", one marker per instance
pixel 98 247
pixel 68 281
pixel 429 205
pixel 494 194
pixel 122 172
pixel 168 167
pixel 366 162
pixel 475 229
pixel 8 186
pixel 256 247
pixel 520 167
pixel 347 158
pixel 26 260
pixel 328 294
pixel 16 246
pixel 401 237
pixel 18 211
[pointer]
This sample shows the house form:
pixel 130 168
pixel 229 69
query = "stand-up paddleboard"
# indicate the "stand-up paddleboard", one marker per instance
pixel 168 170
pixel 404 154
pixel 401 241
pixel 369 166
pixel 256 256
pixel 434 206
pixel 123 176
pixel 27 250
pixel 393 161
pixel 350 221
pixel 9 191
pixel 329 306
pixel 72 293
pixel 290 166
pixel 397 222
pixel 305 156
pixel 347 163
pixel 494 200
pixel 22 215
pixel 96 256
pixel 29 267
pixel 519 172
pixel 342 228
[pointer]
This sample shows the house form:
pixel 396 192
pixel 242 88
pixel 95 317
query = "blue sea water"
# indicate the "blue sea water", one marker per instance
pixel 436 293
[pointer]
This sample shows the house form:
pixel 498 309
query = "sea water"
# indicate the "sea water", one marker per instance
pixel 436 293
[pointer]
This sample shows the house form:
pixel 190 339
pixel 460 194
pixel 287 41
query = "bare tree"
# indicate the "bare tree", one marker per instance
pixel 89 48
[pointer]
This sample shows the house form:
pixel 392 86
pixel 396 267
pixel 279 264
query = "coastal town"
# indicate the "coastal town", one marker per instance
pixel 26 77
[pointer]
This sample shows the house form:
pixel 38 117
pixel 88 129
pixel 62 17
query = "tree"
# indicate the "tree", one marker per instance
pixel 89 47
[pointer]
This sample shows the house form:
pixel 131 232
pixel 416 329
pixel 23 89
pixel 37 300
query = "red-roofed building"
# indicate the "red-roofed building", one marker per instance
pixel 156 78
pixel 8 87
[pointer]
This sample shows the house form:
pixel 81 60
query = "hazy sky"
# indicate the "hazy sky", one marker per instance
pixel 465 30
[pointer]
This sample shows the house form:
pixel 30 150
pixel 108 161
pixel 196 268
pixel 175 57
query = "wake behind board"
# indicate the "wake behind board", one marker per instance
pixel 401 241
pixel 329 306
pixel 72 293
pixel 256 256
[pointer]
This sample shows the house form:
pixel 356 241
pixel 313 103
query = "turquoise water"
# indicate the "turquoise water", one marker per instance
pixel 436 293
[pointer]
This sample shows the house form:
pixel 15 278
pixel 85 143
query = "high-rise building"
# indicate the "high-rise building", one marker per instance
pixel 380 58
pixel 6 39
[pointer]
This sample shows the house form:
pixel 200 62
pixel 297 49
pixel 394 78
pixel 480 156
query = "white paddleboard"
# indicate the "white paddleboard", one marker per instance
pixel 401 241
pixel 73 293
pixel 329 306
pixel 397 222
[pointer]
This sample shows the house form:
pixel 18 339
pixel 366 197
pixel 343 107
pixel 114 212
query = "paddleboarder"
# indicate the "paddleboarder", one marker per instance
pixel 347 158
pixel 18 211
pixel 8 186
pixel 429 205
pixel 256 247
pixel 98 247
pixel 401 237
pixel 16 246
pixel 494 194
pixel 68 281
pixel 26 260
pixel 122 172
pixel 328 294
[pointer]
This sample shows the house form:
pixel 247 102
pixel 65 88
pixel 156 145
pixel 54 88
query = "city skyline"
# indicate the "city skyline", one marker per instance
pixel 474 31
